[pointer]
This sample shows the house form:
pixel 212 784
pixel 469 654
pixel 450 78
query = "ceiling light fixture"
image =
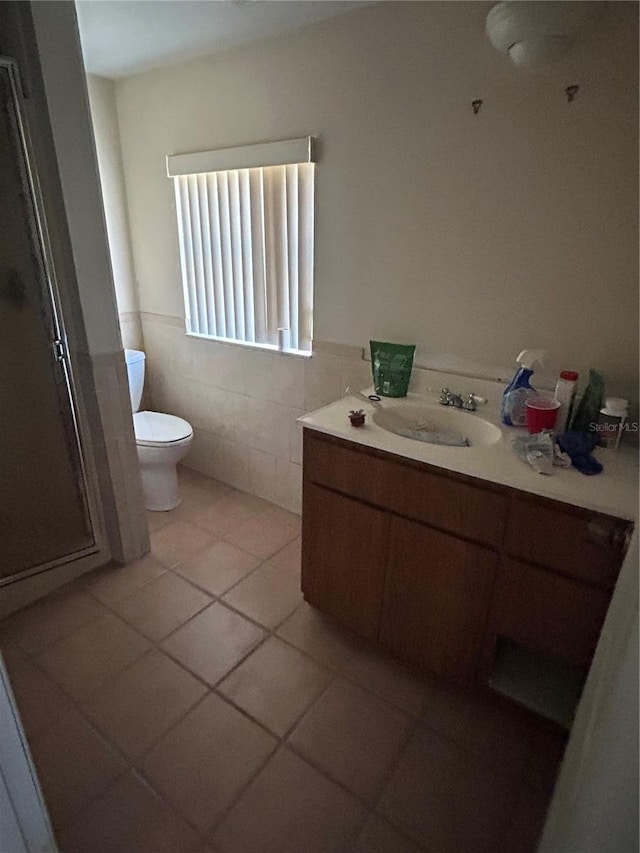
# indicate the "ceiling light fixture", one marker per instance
pixel 537 34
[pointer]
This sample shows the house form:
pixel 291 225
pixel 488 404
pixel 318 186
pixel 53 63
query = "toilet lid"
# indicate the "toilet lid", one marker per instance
pixel 158 428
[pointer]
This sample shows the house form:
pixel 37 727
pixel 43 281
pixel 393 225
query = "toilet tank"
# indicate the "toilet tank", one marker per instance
pixel 135 372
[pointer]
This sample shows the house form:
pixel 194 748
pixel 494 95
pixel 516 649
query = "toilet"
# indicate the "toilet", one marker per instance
pixel 162 441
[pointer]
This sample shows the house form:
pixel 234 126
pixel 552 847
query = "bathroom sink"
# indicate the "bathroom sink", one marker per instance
pixel 439 425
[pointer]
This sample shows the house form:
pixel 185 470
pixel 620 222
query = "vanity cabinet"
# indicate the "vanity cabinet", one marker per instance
pixel 445 570
pixel 345 550
pixel 545 612
pixel 436 599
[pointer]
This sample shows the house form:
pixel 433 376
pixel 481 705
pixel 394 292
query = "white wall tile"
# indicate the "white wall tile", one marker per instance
pixel 243 404
pixel 262 425
pixel 322 381
pixel 295 437
pixel 288 485
pixel 276 377
pixel 262 474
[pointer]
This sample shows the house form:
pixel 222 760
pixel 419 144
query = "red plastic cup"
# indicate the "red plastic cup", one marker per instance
pixel 542 414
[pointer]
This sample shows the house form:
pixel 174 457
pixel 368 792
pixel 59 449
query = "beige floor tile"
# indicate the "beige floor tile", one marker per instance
pixel 93 654
pixel 156 520
pixel 281 516
pixel 320 637
pixel 352 736
pixel 198 487
pixel 448 800
pixel 378 836
pixel 261 536
pixel 41 703
pixel 289 557
pixel 162 605
pixel 51 619
pixel 267 595
pixel 388 677
pixel 251 502
pixel 276 684
pixel 202 763
pixel 74 765
pixel 140 704
pixel 219 517
pixel 218 567
pixel 178 541
pixel 213 642
pixel 290 808
pixel 527 822
pixel 129 818
pixel 487 728
pixel 117 582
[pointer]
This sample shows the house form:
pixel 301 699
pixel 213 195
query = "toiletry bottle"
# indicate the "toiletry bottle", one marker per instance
pixel 518 391
pixel 611 422
pixel 565 389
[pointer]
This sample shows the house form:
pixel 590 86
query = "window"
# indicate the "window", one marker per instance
pixel 245 226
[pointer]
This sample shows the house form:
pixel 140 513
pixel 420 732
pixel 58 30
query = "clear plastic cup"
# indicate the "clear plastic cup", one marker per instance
pixel 542 413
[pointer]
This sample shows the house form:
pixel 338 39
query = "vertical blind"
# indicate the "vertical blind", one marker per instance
pixel 246 250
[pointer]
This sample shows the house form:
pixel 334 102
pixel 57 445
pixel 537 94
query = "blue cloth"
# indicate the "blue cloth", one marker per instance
pixel 579 446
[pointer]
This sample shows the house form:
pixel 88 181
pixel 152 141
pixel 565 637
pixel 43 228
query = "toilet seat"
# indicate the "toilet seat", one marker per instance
pixel 155 429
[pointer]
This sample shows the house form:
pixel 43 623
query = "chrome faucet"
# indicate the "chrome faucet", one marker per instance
pixel 449 398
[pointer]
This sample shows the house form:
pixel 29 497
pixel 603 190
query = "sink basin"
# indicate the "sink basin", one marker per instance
pixel 449 425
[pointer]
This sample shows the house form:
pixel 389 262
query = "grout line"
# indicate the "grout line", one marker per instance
pixel 281 741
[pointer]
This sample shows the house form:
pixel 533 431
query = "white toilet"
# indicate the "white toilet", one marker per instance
pixel 162 440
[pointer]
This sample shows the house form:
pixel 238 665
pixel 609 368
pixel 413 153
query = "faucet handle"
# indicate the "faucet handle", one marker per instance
pixel 473 401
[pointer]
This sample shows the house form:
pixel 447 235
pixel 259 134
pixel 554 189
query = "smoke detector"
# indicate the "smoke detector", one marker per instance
pixel 538 33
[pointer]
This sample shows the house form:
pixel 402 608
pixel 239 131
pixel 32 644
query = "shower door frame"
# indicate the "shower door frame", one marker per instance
pixel 54 319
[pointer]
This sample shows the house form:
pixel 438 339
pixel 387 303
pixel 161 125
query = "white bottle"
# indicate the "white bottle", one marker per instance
pixel 565 389
pixel 611 422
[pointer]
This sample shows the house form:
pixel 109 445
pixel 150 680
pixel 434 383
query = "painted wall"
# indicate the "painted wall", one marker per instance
pixel 472 235
pixel 104 117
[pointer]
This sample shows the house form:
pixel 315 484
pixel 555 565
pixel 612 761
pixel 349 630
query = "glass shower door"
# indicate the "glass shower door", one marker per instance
pixel 44 510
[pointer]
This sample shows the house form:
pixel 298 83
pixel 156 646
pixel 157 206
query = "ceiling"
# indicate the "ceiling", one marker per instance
pixel 123 37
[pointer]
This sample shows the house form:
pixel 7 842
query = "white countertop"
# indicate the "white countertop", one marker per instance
pixel 614 491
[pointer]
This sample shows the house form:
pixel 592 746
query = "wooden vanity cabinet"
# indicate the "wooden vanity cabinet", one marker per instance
pixel 545 612
pixel 344 552
pixel 441 568
pixel 436 599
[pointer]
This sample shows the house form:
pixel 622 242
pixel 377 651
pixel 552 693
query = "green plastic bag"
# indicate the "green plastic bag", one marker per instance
pixel 587 403
pixel 391 366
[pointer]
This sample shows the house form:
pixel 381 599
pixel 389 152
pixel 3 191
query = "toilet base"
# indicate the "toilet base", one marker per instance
pixel 160 488
pixel 159 474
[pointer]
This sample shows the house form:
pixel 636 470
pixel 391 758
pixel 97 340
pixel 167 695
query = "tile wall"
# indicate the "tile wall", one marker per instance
pixel 131 330
pixel 243 402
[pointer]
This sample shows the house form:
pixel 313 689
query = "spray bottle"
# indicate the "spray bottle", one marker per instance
pixel 518 391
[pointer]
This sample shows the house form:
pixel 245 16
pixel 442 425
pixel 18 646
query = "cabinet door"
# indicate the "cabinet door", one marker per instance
pixel 573 542
pixel 436 599
pixel 344 545
pixel 546 613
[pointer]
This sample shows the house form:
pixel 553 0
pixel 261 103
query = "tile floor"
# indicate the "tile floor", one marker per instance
pixel 192 702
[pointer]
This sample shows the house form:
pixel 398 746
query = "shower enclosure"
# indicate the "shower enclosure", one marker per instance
pixel 45 516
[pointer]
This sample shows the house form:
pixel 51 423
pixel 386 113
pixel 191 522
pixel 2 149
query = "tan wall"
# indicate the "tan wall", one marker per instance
pixel 104 118
pixel 474 236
